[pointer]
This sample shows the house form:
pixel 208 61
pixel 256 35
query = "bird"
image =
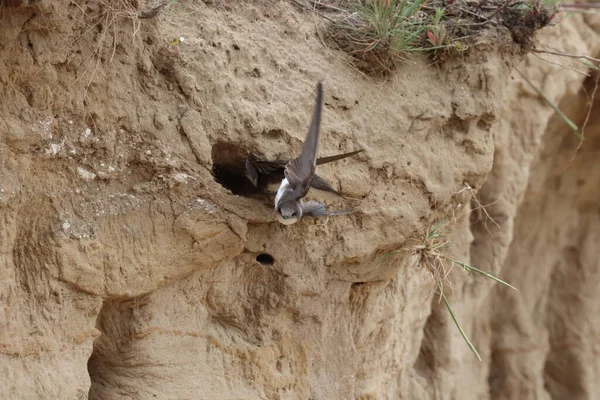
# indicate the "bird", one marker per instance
pixel 267 175
pixel 299 176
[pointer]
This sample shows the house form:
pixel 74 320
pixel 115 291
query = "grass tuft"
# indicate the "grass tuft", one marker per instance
pixel 379 33
pixel 383 32
pixel 391 24
pixel 432 252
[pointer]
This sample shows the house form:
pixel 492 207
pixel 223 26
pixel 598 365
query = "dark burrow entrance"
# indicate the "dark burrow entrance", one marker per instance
pixel 229 169
pixel 265 259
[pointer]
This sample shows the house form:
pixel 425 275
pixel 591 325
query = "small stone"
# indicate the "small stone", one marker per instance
pixel 66 227
pixel 85 135
pixel 85 174
pixel 181 177
pixel 54 149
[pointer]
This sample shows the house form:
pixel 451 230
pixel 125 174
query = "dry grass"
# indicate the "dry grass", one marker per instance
pixel 431 250
pixel 110 14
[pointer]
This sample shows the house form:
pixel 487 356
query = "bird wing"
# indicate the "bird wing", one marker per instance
pixel 321 184
pixel 299 171
pixel 325 160
pixel 252 172
pixel 254 168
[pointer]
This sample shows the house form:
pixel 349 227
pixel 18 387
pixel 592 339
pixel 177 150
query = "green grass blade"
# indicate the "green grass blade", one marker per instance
pixel 413 8
pixel 574 128
pixel 561 114
pixel 393 253
pixel 433 231
pixel 589 64
pixel 385 256
pixel 464 335
pixel 486 274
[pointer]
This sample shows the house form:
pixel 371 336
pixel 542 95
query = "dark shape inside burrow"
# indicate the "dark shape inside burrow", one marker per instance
pixel 229 169
pixel 265 259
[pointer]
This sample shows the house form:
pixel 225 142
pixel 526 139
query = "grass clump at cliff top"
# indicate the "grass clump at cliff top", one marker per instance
pixel 379 33
pixel 389 26
pixel 431 250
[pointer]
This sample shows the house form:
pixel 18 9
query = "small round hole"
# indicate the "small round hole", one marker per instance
pixel 265 259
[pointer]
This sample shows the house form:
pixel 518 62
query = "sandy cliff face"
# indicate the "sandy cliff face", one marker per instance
pixel 128 272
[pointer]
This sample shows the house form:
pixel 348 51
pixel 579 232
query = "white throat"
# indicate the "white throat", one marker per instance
pixel 288 221
pixel 285 185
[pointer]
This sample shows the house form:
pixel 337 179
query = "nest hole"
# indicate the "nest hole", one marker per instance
pixel 265 259
pixel 229 168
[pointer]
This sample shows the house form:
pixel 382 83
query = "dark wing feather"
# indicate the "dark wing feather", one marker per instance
pixel 268 167
pixel 321 184
pixel 254 168
pixel 324 160
pixel 252 172
pixel 299 171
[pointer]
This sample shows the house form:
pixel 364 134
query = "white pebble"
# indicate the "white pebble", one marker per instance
pixel 66 226
pixel 54 149
pixel 181 177
pixel 85 174
pixel 86 134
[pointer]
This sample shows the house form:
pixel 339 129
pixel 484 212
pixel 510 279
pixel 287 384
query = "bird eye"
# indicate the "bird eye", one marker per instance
pixel 294 214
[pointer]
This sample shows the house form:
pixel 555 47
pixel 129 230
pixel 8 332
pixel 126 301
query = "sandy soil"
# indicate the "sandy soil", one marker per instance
pixel 127 271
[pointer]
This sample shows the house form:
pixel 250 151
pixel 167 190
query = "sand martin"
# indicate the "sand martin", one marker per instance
pixel 300 176
pixel 266 176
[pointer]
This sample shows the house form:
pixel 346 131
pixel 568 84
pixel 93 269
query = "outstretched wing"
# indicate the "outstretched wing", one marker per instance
pixel 316 209
pixel 299 171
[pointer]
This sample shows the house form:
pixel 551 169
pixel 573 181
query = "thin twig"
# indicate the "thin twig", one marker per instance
pixel 491 17
pixel 562 66
pixel 318 3
pixel 556 53
pixel 582 5
pixel 481 207
pixel 589 113
pixel 115 37
pixel 275 84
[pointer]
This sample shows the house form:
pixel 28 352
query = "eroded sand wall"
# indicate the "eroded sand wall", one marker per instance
pixel 128 272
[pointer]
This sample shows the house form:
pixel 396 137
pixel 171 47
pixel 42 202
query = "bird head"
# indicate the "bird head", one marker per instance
pixel 289 212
